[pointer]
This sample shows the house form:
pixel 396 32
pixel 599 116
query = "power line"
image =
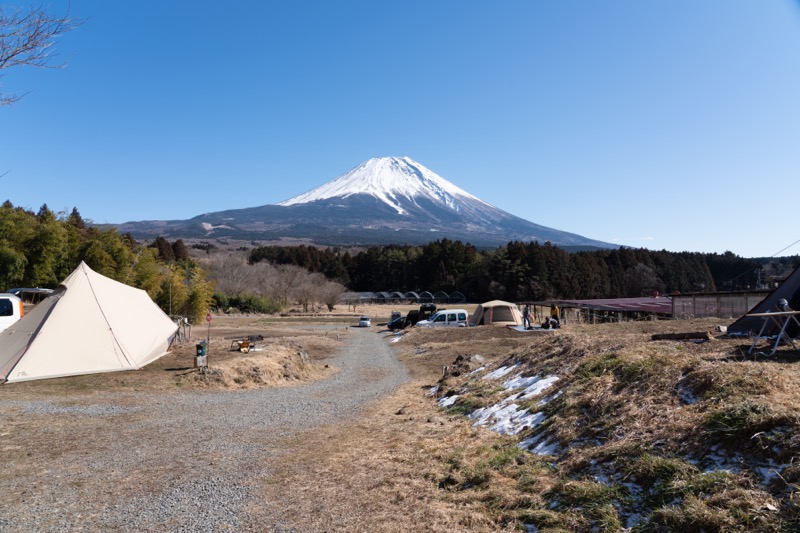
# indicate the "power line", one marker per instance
pixel 781 251
pixel 758 267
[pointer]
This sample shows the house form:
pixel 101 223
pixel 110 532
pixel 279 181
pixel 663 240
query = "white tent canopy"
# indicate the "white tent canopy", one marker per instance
pixel 90 324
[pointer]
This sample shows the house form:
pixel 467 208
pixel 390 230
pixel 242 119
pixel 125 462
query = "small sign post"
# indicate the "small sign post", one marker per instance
pixel 208 335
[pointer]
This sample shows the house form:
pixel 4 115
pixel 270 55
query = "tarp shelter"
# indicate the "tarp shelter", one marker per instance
pixel 90 324
pixel 751 325
pixel 496 313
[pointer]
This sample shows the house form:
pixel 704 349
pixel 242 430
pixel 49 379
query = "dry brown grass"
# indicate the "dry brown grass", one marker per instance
pixel 633 412
pixel 627 400
pixel 288 354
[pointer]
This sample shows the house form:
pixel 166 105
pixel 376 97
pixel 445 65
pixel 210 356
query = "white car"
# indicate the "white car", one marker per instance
pixel 364 322
pixel 11 310
pixel 446 317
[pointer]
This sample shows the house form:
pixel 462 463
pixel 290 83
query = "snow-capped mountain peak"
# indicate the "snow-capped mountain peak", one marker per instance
pixel 392 180
pixel 385 200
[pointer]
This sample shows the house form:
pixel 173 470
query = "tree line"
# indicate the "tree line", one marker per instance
pixel 41 249
pixel 527 271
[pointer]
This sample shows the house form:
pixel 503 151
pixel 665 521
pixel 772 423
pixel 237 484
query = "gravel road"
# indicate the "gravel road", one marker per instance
pixel 183 461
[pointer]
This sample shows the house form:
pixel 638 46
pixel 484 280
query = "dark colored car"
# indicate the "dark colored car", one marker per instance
pixel 396 323
pixel 401 322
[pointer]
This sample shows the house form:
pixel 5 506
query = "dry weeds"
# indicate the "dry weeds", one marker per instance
pixel 646 427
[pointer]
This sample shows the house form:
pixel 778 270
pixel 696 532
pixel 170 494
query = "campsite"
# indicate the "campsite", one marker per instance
pixel 325 426
pixel 435 267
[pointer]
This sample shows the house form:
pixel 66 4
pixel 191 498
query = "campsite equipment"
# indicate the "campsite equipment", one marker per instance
pixel 201 355
pixel 780 320
pixel 496 313
pixel 754 322
pixel 245 344
pixel 89 324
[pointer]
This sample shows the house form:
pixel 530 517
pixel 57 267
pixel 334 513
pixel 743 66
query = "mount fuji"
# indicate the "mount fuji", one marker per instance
pixel 386 200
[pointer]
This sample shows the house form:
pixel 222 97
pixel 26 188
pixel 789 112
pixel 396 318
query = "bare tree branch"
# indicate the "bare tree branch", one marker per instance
pixel 27 38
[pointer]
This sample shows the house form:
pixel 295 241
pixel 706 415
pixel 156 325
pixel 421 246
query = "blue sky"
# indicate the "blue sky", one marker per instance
pixel 665 125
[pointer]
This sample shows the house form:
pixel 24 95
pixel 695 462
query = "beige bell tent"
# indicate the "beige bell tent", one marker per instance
pixel 496 313
pixel 90 324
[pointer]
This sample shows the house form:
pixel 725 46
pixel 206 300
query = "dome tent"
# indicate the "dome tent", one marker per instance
pixel 90 324
pixel 496 313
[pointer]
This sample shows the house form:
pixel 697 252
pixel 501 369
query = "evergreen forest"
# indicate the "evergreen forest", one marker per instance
pixel 522 271
pixel 39 249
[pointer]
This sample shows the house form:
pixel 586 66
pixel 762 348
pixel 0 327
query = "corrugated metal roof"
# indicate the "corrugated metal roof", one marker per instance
pixel 649 304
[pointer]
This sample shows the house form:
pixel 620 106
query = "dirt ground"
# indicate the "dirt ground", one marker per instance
pixel 380 471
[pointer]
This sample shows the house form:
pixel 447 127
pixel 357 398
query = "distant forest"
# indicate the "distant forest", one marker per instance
pixel 521 271
pixel 41 249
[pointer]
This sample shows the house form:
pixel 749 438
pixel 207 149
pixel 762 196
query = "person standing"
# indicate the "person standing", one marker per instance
pixel 554 315
pixel 526 316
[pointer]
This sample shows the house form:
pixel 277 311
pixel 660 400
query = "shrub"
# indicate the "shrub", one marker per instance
pixel 247 303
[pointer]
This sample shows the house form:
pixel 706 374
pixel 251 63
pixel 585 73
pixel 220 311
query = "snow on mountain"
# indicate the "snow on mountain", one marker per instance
pixel 392 180
pixel 386 200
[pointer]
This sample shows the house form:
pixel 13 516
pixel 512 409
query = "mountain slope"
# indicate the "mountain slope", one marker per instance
pixel 387 200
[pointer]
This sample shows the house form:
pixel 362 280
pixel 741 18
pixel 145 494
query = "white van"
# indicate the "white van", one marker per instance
pixel 11 310
pixel 446 317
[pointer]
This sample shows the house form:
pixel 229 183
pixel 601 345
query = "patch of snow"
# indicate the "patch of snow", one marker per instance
pixel 633 520
pixel 506 419
pixel 481 369
pixel 500 372
pixel 447 401
pixel 533 385
pixel 687 397
pixel 211 227
pixel 390 180
pixel 539 446
pixel 602 479
pixel 769 472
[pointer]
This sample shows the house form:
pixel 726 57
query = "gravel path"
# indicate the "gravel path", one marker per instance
pixel 181 461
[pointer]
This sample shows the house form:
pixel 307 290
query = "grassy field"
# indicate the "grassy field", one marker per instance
pixel 643 434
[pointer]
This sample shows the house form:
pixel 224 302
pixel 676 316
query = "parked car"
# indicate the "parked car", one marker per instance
pixel 396 323
pixel 364 322
pixel 415 315
pixel 11 310
pixel 31 295
pixel 446 317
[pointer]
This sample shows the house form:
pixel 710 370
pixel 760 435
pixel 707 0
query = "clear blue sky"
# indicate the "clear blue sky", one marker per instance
pixel 665 125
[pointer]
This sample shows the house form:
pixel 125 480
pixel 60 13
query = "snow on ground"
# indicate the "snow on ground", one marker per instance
pixel 539 445
pixel 477 371
pixel 500 372
pixel 447 401
pixel 507 417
